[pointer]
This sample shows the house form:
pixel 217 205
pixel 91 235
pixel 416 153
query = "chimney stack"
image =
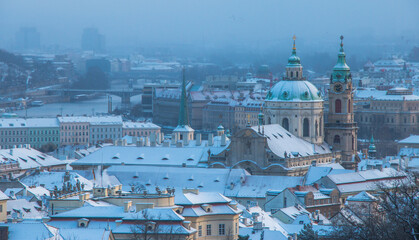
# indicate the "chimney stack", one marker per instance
pixel 210 139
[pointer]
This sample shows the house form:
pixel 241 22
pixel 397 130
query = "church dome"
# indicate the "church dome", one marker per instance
pixel 287 90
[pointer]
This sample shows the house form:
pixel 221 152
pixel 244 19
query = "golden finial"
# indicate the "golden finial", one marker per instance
pixel 294 37
pixel 248 118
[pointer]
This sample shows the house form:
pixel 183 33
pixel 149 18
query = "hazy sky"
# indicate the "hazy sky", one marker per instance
pixel 211 23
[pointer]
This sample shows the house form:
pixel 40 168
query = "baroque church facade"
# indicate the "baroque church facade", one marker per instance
pixel 291 135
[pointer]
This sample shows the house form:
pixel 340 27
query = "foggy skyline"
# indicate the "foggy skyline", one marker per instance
pixel 252 25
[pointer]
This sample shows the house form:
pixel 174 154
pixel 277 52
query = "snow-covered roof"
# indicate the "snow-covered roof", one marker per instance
pixel 93 120
pixel 36 230
pixel 229 182
pixel 375 94
pixel 22 208
pixel 281 141
pixel 315 173
pixel 3 196
pixel 412 139
pixel 90 211
pixel 155 214
pixel 42 122
pixel 29 158
pixel 12 123
pixel 163 156
pixel 267 234
pixel 200 198
pixel 366 175
pixel 293 211
pixel 362 197
pixel 139 125
pixel 52 179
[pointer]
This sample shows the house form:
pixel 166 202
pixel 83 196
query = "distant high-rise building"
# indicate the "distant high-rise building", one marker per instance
pixel 92 40
pixel 28 38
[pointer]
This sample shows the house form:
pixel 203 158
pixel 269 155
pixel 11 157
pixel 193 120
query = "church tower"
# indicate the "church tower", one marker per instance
pixel 183 131
pixel 341 130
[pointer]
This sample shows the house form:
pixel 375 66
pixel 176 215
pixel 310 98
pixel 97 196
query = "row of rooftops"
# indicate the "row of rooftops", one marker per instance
pixel 55 122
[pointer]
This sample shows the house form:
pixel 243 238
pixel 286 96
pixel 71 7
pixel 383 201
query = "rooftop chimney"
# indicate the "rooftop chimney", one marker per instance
pixel 198 139
pixel 127 206
pixel 210 139
pixel 223 139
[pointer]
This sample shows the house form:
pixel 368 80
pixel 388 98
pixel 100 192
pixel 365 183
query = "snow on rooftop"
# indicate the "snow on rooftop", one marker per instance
pixel 139 125
pixel 12 123
pixel 28 158
pixel 22 208
pixel 42 122
pixel 36 229
pixel 52 179
pixel 93 120
pixel 201 198
pixel 412 139
pixel 3 196
pixel 280 141
pixel 362 197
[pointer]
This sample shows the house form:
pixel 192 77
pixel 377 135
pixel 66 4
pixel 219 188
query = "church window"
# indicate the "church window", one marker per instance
pixel 353 143
pixel 336 139
pixel 338 106
pixel 317 129
pixel 285 124
pixel 320 129
pixel 296 73
pixel 349 106
pixel 306 128
pixel 291 74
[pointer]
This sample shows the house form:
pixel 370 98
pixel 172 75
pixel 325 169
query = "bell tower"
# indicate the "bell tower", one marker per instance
pixel 341 130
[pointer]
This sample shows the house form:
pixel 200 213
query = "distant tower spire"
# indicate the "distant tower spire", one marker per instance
pixel 183 110
pixel 372 149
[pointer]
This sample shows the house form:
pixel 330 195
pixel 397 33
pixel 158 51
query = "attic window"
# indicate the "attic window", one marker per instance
pixel 165 158
pixel 140 158
pixel 280 135
pixel 116 156
pixel 38 208
pixel 289 135
pixel 275 136
pixel 27 209
pixel 22 124
pixel 41 157
pixel 23 159
pixel 190 178
pixel 135 176
pixel 201 185
pixel 190 159
pixel 11 124
pixel 217 180
pixel 32 158
pixel 166 176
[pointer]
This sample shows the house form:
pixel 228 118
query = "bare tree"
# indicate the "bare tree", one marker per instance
pixel 148 227
pixel 395 216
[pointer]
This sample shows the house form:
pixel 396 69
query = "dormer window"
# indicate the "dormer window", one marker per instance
pixel 116 156
pixel 206 207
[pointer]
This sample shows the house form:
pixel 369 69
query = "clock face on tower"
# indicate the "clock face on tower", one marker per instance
pixel 338 87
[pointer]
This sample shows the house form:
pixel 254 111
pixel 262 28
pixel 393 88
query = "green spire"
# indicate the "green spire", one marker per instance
pixel 341 71
pixel 371 148
pixel 293 60
pixel 183 110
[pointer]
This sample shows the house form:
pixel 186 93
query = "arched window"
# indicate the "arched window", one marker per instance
pixel 336 139
pixel 296 73
pixel 349 106
pixel 338 106
pixel 320 129
pixel 285 124
pixel 291 74
pixel 317 128
pixel 306 128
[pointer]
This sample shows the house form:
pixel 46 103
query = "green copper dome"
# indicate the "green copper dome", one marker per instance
pixel 299 90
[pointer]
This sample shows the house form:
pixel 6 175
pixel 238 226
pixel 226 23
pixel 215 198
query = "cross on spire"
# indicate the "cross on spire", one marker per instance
pixel 341 40
pixel 294 37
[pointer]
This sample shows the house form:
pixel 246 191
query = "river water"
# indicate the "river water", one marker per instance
pixel 87 107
